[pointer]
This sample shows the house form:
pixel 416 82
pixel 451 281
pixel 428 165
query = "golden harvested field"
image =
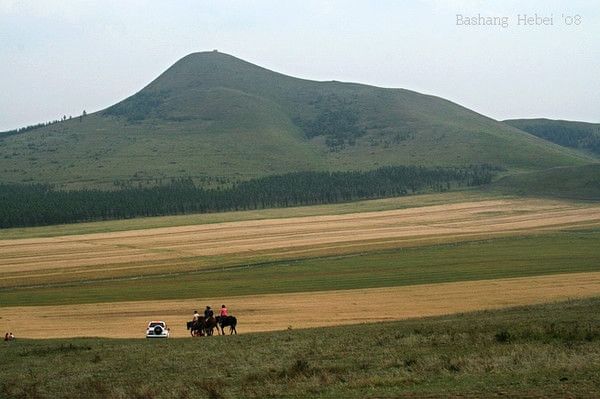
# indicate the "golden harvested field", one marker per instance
pixel 162 250
pixel 30 261
pixel 300 310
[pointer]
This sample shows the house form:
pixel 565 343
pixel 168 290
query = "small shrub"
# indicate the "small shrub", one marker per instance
pixel 301 366
pixel 590 336
pixel 454 367
pixel 409 363
pixel 503 336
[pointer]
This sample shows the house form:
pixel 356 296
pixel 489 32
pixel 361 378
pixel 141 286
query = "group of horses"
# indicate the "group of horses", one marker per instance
pixel 205 327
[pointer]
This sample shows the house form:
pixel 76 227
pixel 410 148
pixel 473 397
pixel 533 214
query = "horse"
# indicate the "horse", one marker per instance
pixel 196 327
pixel 209 325
pixel 202 327
pixel 227 321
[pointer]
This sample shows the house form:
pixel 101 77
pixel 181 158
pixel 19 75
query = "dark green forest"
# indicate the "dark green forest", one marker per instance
pixel 337 119
pixel 573 138
pixel 39 204
pixel 581 135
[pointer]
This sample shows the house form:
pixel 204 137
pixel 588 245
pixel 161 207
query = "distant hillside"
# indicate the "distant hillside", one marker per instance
pixel 217 119
pixel 579 135
pixel 581 182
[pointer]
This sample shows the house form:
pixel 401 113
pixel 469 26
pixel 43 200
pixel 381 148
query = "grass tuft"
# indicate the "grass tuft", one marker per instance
pixel 503 336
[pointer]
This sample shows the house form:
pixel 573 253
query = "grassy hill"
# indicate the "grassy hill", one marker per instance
pixel 581 182
pixel 580 135
pixel 219 119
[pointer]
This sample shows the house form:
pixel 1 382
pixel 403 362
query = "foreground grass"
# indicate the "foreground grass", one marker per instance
pixel 541 351
pixel 274 213
pixel 552 253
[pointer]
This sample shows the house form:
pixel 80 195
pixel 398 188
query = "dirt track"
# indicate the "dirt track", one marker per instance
pixel 67 258
pixel 299 310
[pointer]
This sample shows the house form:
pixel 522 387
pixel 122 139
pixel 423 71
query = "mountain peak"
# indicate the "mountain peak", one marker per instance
pixel 204 56
pixel 208 69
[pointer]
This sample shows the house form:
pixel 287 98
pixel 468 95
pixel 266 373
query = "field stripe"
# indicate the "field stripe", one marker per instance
pixel 24 261
pixel 152 222
pixel 300 310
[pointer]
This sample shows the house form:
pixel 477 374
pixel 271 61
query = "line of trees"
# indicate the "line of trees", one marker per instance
pixel 29 128
pixel 39 204
pixel 14 132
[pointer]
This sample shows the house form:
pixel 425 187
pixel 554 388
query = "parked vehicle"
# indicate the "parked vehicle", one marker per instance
pixel 157 329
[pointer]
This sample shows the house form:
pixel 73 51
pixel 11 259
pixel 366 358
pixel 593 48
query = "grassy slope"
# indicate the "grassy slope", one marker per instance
pixel 219 116
pixel 585 136
pixel 581 182
pixel 563 252
pixel 542 351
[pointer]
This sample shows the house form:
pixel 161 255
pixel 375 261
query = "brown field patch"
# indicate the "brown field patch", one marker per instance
pixel 299 310
pixel 157 250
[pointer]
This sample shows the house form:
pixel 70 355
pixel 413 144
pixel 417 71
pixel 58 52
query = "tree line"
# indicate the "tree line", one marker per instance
pixel 39 204
pixel 29 128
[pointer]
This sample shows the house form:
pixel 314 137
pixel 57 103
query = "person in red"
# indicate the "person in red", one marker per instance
pixel 223 312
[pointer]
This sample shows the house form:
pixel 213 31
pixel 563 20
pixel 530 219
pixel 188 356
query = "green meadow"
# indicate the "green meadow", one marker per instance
pixel 550 350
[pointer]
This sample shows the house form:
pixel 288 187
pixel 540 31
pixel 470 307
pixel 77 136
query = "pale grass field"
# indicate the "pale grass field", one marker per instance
pixel 299 310
pixel 32 261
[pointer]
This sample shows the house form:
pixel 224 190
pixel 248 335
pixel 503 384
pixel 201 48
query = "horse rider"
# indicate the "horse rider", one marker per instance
pixel 223 311
pixel 208 313
pixel 196 315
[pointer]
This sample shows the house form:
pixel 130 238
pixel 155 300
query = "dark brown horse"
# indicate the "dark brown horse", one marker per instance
pixel 195 327
pixel 227 321
pixel 209 326
pixel 202 327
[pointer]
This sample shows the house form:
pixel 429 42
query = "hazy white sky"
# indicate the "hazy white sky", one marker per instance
pixel 61 57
